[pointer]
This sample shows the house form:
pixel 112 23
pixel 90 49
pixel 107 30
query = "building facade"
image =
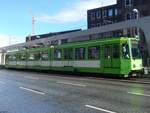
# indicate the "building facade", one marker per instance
pixel 102 16
pixel 35 37
pixel 125 7
pixel 121 11
pixel 53 42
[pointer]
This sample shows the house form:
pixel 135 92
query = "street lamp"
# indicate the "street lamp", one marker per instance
pixel 136 11
pixel 136 16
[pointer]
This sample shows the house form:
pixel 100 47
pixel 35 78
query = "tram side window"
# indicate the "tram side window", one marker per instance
pixel 107 52
pixel 68 53
pixel 80 53
pixel 22 56
pixel 94 53
pixel 116 51
pixel 37 56
pixel 44 56
pixel 11 57
pixel 14 57
pixel 8 57
pixel 31 57
pixel 125 51
pixel 135 50
pixel 34 56
pixel 57 54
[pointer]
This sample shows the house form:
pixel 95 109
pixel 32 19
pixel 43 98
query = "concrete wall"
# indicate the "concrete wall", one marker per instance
pixel 2 58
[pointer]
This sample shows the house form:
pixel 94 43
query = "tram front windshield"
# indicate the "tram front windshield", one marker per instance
pixel 135 50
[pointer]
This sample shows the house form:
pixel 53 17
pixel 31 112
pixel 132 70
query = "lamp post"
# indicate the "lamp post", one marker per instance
pixel 136 16
pixel 136 12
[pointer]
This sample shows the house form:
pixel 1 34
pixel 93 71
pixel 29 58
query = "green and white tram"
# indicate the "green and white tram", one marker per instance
pixel 117 56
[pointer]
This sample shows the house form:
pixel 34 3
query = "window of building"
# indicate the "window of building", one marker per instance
pixel 44 56
pixel 92 25
pixel 54 42
pixel 94 53
pixel 57 54
pixel 129 16
pixel 110 12
pixel 80 53
pixel 63 41
pixel 128 2
pixel 68 53
pixel 98 14
pixel 98 24
pixel 105 13
pixel 107 52
pixel 93 16
pixel 116 12
pixel 116 51
pixel 142 1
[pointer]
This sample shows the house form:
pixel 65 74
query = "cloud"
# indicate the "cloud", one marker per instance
pixel 6 40
pixel 74 13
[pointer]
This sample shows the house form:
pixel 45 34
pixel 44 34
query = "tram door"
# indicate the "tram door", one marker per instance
pixel 116 56
pixel 68 56
pixel 107 56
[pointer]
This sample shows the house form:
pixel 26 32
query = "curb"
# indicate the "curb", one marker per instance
pixel 128 81
pixel 138 82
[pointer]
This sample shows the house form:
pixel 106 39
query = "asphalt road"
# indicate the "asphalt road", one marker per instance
pixel 32 92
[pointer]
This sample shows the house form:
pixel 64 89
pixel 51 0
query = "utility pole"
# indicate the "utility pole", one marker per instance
pixel 11 39
pixel 33 22
pixel 9 42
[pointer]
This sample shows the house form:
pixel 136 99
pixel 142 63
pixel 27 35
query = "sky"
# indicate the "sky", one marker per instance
pixel 50 16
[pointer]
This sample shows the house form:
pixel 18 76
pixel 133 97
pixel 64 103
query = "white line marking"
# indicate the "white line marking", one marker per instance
pixel 140 94
pixel 73 84
pixel 1 82
pixel 100 109
pixel 27 89
pixel 33 78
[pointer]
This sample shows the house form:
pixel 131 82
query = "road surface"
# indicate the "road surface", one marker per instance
pixel 34 92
